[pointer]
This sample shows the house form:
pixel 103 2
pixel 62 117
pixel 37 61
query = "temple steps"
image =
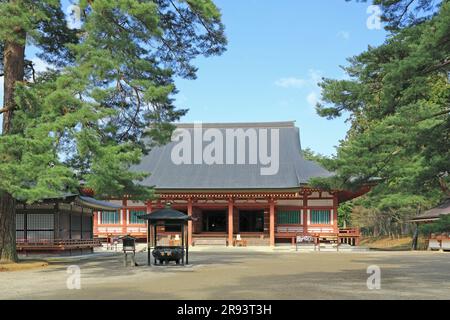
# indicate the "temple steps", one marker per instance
pixel 331 248
pixel 209 241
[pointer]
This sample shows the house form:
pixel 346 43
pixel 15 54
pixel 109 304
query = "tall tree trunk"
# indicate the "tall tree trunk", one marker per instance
pixel 13 67
pixel 415 240
pixel 7 228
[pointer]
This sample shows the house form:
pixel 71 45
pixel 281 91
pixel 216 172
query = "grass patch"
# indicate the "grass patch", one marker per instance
pixel 23 265
pixel 387 243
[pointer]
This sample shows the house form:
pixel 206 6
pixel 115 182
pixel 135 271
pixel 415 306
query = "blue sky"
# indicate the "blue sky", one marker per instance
pixel 277 52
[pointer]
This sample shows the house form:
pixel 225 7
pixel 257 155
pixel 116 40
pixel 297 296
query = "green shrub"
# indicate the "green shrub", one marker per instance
pixel 439 226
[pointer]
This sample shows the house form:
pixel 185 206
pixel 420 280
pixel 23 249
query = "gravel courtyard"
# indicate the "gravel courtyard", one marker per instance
pixel 240 274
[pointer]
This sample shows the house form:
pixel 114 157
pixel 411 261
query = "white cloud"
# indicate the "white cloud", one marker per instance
pixel 315 76
pixel 40 65
pixel 73 16
pixel 312 99
pixel 291 82
pixel 309 82
pixel 344 34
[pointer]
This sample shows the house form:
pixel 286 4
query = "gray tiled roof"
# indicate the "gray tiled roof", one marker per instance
pixel 294 170
pixel 433 214
pixel 83 201
pixel 97 204
pixel 166 214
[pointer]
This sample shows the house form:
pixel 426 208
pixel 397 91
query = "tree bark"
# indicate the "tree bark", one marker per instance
pixel 415 240
pixel 13 66
pixel 7 228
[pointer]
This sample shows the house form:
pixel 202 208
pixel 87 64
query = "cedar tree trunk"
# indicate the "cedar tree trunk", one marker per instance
pixel 13 66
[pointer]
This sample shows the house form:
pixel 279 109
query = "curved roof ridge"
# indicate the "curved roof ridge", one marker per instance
pixel 238 125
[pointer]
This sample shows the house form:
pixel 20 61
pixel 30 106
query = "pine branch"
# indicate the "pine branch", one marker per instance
pixel 404 12
pixel 5 109
pixel 443 185
pixel 443 64
pixel 133 120
pixel 438 114
pixel 179 12
pixel 203 23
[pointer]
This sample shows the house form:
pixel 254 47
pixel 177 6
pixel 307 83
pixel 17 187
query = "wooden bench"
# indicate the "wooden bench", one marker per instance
pixel 434 244
pixel 175 243
pixel 240 243
pixel 441 243
pixel 330 237
pixel 445 244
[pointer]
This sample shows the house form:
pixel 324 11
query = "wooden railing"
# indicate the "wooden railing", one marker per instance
pixel 439 242
pixel 349 236
pixel 56 244
pixel 344 236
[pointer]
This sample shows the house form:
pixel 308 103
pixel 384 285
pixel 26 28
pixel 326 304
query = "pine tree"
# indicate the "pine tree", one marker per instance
pixel 397 99
pixel 107 100
pixel 22 22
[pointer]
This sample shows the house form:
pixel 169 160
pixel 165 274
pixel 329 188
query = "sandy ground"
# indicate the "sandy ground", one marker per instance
pixel 240 274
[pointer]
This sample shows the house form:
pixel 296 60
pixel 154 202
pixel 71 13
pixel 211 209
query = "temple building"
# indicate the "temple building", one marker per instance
pixel 237 181
pixel 58 225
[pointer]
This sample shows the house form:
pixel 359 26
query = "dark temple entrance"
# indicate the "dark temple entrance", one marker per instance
pixel 251 220
pixel 214 221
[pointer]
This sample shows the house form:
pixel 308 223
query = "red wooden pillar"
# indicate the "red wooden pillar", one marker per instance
pixel 230 222
pixel 335 213
pixel 189 211
pixel 124 216
pixel 95 222
pixel 305 213
pixel 149 209
pixel 272 222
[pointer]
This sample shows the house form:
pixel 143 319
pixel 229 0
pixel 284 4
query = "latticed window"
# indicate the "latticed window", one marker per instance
pixel 20 226
pixel 110 217
pixel 320 216
pixel 134 216
pixel 289 217
pixel 38 226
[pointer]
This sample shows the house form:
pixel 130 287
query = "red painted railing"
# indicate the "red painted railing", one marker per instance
pixel 349 236
pixel 56 244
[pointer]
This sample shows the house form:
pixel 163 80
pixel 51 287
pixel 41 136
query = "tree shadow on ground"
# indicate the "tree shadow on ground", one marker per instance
pixel 405 278
pixel 113 264
pixel 243 275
